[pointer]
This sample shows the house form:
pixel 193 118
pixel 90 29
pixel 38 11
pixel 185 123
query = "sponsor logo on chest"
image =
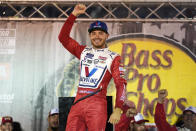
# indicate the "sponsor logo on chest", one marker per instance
pixel 102 59
pixel 93 68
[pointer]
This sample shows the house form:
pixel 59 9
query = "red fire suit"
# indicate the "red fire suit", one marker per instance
pixel 124 123
pixel 97 67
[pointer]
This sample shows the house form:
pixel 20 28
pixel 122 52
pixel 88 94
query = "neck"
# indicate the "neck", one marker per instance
pixel 97 48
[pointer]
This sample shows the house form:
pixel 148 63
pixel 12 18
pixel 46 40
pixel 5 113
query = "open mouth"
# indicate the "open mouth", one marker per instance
pixel 97 41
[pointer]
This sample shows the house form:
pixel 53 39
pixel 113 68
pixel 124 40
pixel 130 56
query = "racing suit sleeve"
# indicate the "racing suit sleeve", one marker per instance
pixel 160 119
pixel 64 37
pixel 123 124
pixel 120 82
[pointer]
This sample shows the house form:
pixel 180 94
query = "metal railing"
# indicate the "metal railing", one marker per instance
pixel 106 11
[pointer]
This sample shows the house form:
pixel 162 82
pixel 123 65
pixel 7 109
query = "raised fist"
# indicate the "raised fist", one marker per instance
pixel 162 94
pixel 79 9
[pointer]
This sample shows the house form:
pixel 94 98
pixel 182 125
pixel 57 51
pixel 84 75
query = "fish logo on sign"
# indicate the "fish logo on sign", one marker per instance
pixel 91 72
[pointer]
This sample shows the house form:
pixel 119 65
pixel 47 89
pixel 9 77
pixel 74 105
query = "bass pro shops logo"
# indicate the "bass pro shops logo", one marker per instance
pixel 152 63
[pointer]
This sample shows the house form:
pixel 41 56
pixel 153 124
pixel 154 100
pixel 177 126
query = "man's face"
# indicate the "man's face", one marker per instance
pixel 98 39
pixel 53 121
pixel 188 117
pixel 7 126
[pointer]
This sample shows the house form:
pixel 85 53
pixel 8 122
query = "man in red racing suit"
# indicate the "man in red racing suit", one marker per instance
pixel 97 66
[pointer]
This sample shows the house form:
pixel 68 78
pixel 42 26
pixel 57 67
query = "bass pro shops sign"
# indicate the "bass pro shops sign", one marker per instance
pixel 153 63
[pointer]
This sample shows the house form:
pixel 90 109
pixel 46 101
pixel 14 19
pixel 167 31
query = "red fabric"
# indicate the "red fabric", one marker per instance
pixel 160 119
pixel 90 112
pixel 119 82
pixel 123 124
pixel 6 119
pixel 64 37
pixel 125 108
